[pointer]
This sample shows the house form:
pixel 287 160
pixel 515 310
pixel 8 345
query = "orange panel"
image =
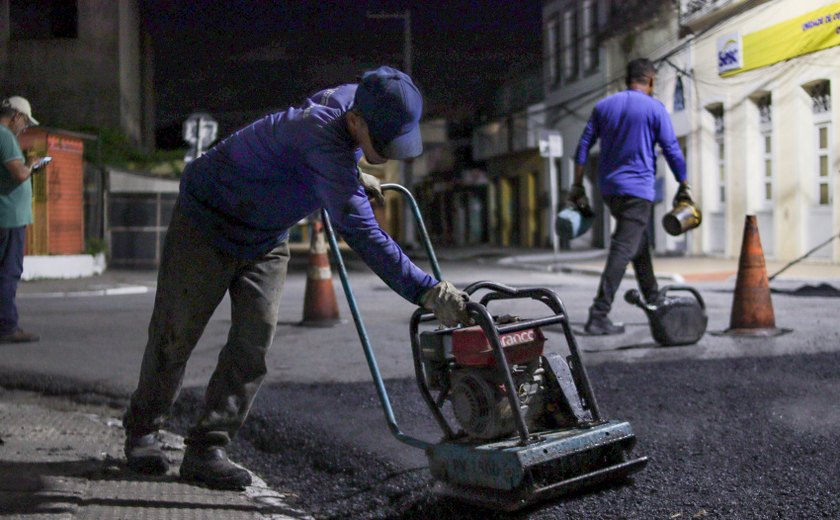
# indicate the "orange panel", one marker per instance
pixel 58 201
pixel 65 198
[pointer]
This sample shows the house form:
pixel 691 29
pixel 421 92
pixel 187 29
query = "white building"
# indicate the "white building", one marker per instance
pixel 762 131
pixel 574 79
pixel 749 85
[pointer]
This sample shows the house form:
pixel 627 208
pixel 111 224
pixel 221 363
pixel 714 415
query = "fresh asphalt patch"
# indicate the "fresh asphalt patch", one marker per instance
pixel 733 438
pixel 823 290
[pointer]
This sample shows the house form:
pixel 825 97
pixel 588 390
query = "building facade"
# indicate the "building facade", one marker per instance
pixel 656 35
pixel 516 195
pixel 763 136
pixel 574 79
pixel 81 63
pixel 749 86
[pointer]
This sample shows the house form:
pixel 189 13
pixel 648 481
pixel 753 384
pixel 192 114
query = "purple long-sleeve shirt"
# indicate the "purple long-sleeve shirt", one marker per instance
pixel 247 191
pixel 630 123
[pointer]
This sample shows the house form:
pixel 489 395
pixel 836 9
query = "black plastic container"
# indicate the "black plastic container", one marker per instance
pixel 674 320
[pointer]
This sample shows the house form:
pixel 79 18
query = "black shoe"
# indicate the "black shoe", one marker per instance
pixel 19 336
pixel 211 467
pixel 602 326
pixel 145 454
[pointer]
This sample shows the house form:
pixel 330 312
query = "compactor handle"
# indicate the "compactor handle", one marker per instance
pixel 421 227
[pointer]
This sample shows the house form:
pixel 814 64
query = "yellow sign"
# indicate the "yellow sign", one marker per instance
pixel 811 32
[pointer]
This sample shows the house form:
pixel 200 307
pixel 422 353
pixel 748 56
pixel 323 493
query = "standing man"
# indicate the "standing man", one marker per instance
pixel 15 212
pixel 229 234
pixel 629 124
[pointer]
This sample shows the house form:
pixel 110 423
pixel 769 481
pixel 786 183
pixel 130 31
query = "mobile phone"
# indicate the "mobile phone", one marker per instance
pixel 41 163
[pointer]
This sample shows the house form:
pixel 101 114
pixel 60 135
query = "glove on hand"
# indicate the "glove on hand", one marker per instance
pixel 448 303
pixel 577 196
pixel 683 195
pixel 371 185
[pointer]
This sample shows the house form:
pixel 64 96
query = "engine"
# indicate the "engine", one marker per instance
pixel 460 363
pixel 481 406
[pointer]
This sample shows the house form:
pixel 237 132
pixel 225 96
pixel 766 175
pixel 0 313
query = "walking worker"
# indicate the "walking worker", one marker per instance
pixel 629 124
pixel 15 212
pixel 229 234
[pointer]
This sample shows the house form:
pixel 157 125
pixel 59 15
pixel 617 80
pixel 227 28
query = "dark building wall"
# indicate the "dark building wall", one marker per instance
pixel 93 79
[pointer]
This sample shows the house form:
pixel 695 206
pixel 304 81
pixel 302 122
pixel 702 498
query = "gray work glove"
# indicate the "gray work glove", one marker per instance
pixel 448 303
pixel 371 185
pixel 683 195
pixel 577 196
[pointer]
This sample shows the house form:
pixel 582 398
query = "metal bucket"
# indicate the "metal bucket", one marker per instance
pixel 683 217
pixel 571 223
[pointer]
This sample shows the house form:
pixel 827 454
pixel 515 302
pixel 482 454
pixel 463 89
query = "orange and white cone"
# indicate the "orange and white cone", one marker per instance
pixel 752 308
pixel 320 307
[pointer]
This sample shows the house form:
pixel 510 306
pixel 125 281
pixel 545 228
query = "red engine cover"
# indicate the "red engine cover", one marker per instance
pixel 472 349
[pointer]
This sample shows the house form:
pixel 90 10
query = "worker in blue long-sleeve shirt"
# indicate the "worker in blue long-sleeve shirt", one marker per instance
pixel 629 124
pixel 229 234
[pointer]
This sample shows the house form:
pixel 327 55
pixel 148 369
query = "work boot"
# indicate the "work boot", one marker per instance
pixel 145 454
pixel 602 326
pixel 211 467
pixel 19 336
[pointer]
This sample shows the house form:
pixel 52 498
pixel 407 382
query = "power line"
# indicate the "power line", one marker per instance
pixel 585 97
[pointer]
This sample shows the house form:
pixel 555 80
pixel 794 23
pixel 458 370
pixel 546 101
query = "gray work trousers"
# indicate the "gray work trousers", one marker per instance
pixel 193 278
pixel 630 243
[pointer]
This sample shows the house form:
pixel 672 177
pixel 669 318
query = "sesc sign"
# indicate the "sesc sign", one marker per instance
pixel 730 53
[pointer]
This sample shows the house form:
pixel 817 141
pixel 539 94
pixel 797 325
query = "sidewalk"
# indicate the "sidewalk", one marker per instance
pixel 674 268
pixel 63 460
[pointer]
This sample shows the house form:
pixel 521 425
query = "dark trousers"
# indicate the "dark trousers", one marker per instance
pixel 11 267
pixel 630 242
pixel 192 280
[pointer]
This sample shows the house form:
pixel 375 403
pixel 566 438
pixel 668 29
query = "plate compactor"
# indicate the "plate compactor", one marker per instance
pixel 529 427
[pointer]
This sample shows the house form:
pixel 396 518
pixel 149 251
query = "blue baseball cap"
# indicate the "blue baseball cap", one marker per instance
pixel 391 106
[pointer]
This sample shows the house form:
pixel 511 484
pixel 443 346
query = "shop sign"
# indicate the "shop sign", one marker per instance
pixel 811 32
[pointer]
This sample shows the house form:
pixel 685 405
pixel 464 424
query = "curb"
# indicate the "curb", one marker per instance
pixel 110 291
pixel 515 263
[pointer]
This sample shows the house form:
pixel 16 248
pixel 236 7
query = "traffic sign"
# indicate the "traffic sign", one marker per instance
pixel 551 143
pixel 200 130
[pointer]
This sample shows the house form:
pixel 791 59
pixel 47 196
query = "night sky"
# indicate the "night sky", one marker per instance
pixel 237 58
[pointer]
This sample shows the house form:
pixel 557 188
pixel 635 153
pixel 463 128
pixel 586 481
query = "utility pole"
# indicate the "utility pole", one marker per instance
pixel 407 167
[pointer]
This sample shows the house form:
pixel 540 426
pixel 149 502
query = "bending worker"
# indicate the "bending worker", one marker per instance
pixel 629 123
pixel 229 234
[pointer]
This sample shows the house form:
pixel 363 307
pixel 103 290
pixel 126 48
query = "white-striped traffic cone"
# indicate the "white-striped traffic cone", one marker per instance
pixel 320 307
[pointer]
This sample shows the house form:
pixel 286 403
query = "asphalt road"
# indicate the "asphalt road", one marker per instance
pixel 734 428
pixel 750 438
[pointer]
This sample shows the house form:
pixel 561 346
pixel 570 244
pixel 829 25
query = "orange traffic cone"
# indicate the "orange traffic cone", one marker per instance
pixel 320 307
pixel 752 308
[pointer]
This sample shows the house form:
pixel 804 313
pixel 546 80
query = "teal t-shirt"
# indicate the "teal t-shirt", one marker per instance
pixel 15 198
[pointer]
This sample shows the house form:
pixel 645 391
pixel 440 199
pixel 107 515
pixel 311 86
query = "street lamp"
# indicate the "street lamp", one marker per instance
pixel 407 167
